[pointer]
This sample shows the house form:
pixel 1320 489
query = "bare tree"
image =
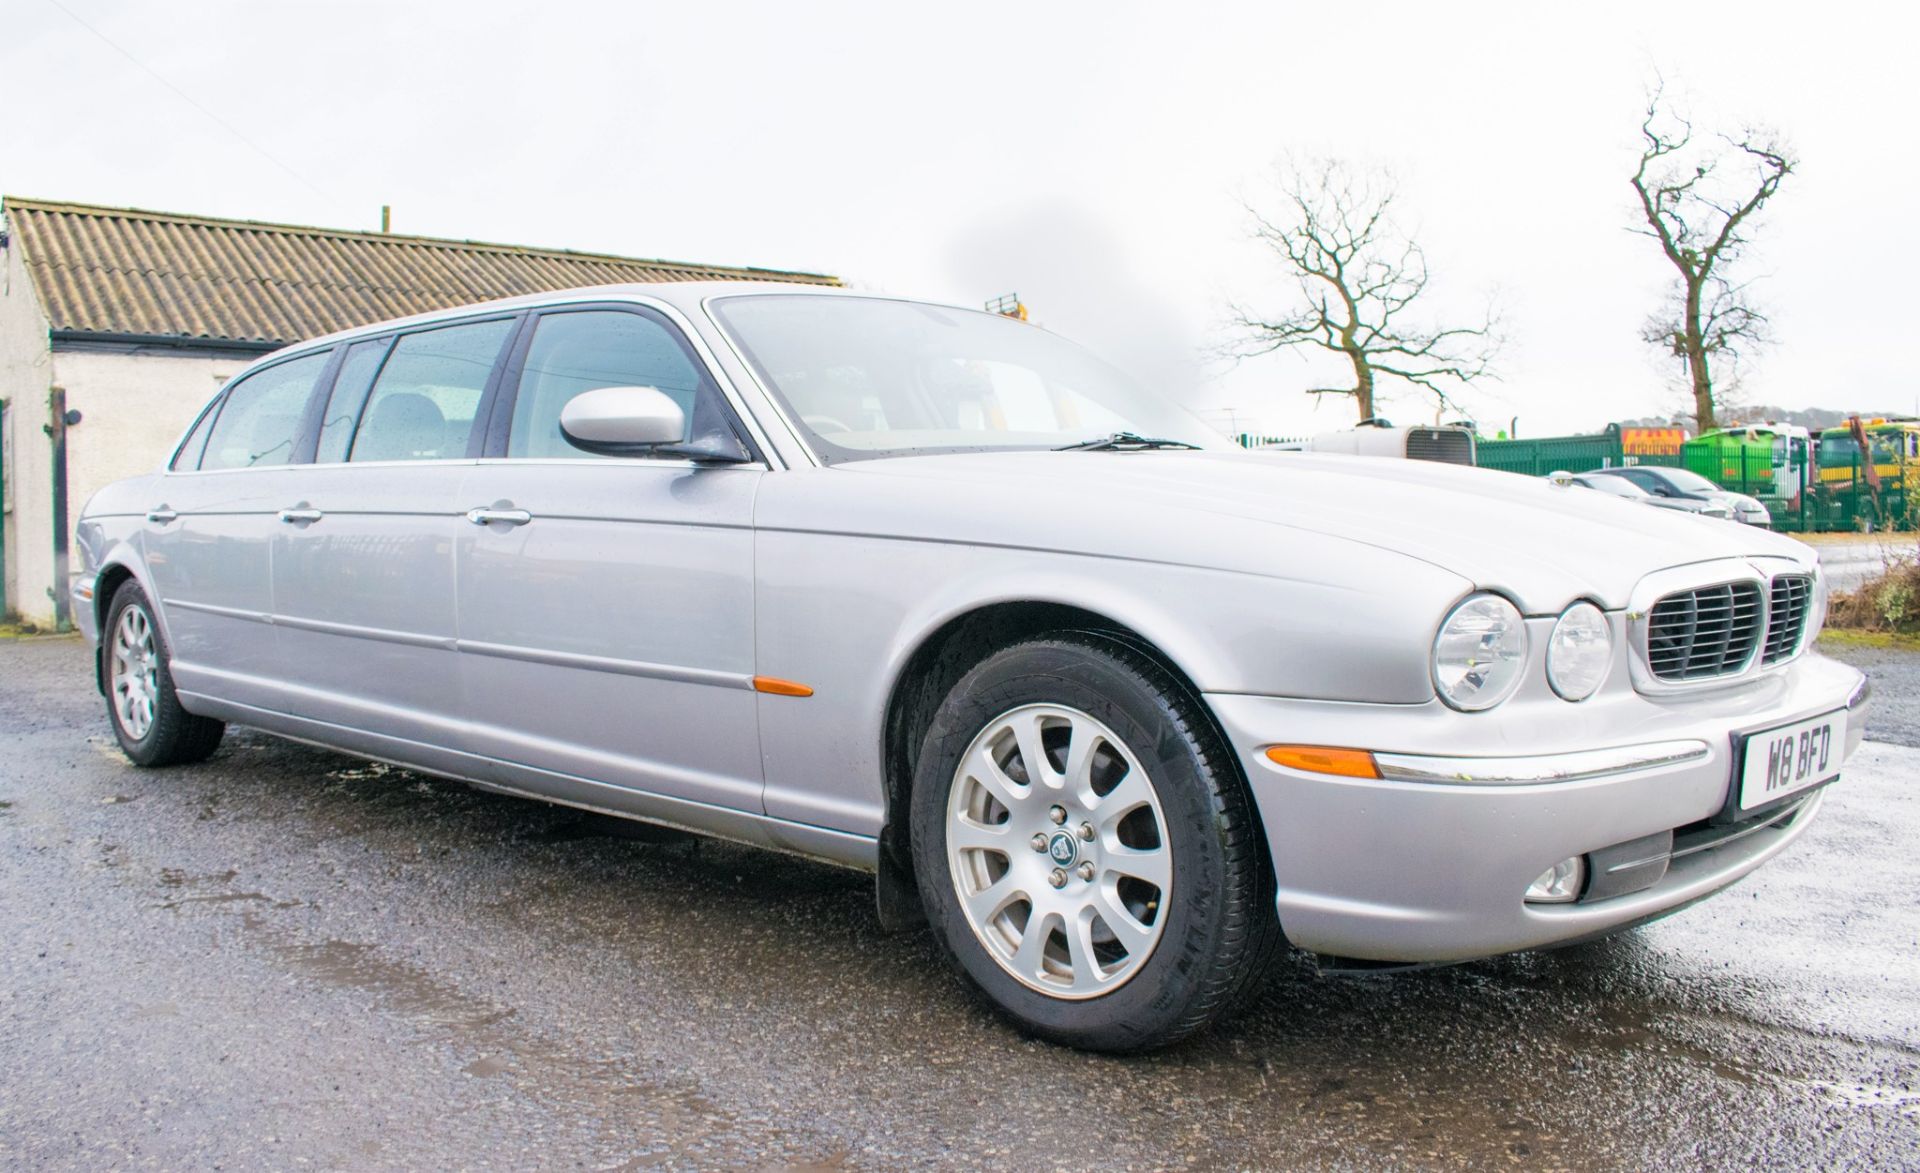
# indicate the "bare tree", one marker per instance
pixel 1699 202
pixel 1359 277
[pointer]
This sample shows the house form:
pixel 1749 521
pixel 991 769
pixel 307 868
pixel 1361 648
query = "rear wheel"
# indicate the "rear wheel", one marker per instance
pixel 147 718
pixel 1085 847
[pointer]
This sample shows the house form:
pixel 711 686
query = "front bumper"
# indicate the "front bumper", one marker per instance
pixel 1412 871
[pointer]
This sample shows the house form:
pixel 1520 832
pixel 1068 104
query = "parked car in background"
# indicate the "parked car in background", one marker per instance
pixel 1626 490
pixel 935 594
pixel 1678 484
pixel 1448 444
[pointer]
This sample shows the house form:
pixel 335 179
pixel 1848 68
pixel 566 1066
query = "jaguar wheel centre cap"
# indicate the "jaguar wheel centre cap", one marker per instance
pixel 1062 848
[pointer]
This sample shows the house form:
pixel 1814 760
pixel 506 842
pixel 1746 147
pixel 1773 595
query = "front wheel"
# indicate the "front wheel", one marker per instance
pixel 148 720
pixel 1085 847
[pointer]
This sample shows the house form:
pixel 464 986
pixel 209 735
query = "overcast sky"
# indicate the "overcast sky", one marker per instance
pixel 1091 157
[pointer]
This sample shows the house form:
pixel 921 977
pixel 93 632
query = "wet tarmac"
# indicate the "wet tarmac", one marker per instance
pixel 285 957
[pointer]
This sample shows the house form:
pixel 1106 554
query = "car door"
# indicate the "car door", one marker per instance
pixel 363 558
pixel 207 541
pixel 606 604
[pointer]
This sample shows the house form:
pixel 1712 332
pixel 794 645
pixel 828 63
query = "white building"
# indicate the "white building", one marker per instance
pixel 117 325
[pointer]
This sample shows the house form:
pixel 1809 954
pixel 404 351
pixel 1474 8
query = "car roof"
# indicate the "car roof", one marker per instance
pixel 685 296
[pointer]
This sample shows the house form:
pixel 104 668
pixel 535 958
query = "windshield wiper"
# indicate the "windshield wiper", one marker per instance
pixel 1124 441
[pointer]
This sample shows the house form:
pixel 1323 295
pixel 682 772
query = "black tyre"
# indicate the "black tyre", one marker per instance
pixel 145 711
pixel 1116 897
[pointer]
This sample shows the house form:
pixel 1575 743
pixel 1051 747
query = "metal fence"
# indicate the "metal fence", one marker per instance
pixel 1537 458
pixel 1801 496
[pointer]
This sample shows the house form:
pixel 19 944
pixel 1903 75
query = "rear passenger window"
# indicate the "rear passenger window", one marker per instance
pixel 583 350
pixel 350 389
pixel 424 402
pixel 264 418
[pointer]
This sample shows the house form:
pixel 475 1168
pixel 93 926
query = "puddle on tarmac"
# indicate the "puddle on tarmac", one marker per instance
pixel 363 771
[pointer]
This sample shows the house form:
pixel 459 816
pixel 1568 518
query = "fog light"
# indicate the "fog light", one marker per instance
pixel 1559 884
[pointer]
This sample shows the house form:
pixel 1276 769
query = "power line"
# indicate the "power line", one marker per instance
pixel 229 127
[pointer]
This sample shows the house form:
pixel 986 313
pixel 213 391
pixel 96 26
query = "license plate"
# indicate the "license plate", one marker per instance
pixel 1784 761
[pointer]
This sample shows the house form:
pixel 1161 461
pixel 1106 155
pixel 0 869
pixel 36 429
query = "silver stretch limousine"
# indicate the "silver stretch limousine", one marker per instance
pixel 1116 706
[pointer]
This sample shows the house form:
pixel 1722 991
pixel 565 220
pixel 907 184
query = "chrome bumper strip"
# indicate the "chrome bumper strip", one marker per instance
pixel 1560 767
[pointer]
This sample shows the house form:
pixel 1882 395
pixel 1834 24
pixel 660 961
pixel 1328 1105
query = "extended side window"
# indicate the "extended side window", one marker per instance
pixel 583 350
pixel 263 421
pixel 424 402
pixel 349 395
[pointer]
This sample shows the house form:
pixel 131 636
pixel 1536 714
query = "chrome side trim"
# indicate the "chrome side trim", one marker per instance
pixel 1523 771
pixel 383 635
pixel 707 676
pixel 607 664
pixel 224 612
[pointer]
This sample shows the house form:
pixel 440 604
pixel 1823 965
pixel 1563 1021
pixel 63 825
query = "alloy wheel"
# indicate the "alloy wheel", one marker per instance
pixel 135 672
pixel 1058 850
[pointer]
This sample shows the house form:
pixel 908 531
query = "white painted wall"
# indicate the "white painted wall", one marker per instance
pixel 133 407
pixel 26 374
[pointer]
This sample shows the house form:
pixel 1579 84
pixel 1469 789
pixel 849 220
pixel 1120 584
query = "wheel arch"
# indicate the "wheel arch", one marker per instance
pixel 115 571
pixel 937 662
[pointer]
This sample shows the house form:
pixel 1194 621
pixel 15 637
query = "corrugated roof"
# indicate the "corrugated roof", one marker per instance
pixel 129 272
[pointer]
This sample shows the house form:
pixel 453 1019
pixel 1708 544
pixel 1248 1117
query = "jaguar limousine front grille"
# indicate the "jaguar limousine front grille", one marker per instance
pixel 1791 598
pixel 1703 633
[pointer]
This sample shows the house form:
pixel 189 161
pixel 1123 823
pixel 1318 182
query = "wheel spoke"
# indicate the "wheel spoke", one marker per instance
pixel 1131 791
pixel 1132 935
pixel 1086 963
pixel 1079 772
pixel 1033 752
pixel 1154 865
pixel 1033 946
pixel 992 900
pixel 967 835
pixel 982 769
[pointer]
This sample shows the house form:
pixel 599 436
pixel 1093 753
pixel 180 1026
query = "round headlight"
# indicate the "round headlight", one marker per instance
pixel 1480 653
pixel 1579 652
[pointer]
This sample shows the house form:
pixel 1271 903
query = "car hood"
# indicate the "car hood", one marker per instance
pixel 1541 543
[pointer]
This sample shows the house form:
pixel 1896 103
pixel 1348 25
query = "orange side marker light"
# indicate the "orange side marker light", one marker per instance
pixel 1320 759
pixel 774 686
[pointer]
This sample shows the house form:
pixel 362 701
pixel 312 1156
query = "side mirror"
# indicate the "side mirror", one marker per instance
pixel 639 421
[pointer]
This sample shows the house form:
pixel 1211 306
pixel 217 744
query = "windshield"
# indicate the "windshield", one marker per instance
pixel 1688 482
pixel 866 377
pixel 1617 486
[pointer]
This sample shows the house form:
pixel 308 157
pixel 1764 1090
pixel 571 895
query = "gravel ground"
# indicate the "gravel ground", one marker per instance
pixel 1894 673
pixel 287 957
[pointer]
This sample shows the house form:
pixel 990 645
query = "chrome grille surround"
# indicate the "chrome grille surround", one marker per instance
pixel 1716 624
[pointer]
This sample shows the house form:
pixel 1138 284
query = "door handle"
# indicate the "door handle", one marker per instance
pixel 296 516
pixel 509 516
pixel 161 516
